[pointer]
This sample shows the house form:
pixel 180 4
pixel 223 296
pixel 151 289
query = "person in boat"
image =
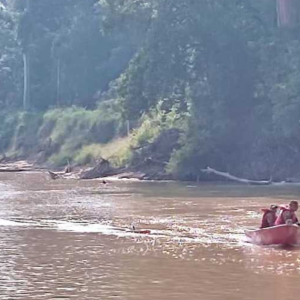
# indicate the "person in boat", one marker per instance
pixel 269 216
pixel 287 215
pixel 133 227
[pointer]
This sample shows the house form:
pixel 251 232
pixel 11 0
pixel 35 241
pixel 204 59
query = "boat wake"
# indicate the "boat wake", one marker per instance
pixel 175 233
pixel 9 223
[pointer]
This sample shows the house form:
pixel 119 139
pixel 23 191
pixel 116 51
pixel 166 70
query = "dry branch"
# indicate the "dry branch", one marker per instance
pixel 209 170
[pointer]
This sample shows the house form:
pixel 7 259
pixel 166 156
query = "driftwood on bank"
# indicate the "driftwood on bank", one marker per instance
pixel 102 169
pixel 209 170
pixel 293 180
pixel 19 166
pixel 12 170
pixel 54 175
pixel 68 169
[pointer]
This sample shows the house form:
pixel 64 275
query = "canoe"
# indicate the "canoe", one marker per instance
pixel 142 231
pixel 276 235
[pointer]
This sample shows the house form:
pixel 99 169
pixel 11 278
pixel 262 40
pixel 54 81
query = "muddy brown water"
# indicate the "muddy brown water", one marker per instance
pixel 69 240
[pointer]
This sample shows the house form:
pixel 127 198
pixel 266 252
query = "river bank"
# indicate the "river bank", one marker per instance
pixel 82 139
pixel 102 169
pixel 154 148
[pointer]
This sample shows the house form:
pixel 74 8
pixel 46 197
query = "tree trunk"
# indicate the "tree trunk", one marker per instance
pixel 26 90
pixel 58 83
pixel 26 63
pixel 28 4
pixel 287 13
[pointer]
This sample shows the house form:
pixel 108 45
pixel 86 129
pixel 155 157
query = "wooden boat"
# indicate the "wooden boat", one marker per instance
pixel 142 231
pixel 139 231
pixel 276 235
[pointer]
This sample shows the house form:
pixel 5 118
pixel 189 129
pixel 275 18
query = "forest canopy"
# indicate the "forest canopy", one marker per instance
pixel 223 74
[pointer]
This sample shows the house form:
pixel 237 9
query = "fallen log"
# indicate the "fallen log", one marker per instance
pixel 18 166
pixel 102 169
pixel 63 175
pixel 209 170
pixel 131 175
pixel 10 170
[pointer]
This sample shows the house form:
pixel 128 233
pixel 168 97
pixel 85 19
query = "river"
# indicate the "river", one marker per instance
pixel 68 239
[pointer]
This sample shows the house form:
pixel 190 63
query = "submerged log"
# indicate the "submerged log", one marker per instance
pixel 53 175
pixel 209 170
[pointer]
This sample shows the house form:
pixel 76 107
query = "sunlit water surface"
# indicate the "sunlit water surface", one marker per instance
pixel 71 240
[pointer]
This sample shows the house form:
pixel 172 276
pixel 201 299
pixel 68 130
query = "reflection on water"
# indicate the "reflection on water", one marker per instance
pixel 72 240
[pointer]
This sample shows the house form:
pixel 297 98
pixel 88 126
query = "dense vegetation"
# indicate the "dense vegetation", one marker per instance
pixel 84 79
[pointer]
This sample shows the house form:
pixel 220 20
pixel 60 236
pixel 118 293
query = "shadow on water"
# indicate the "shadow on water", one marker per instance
pixel 293 248
pixel 211 189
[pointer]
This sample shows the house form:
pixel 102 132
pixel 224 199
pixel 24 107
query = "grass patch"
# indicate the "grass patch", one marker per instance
pixel 77 134
pixel 18 133
pixel 118 152
pixel 88 154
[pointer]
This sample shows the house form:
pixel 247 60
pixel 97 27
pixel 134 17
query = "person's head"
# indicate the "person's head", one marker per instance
pixel 293 205
pixel 273 208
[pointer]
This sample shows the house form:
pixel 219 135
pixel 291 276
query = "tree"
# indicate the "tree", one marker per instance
pixel 9 59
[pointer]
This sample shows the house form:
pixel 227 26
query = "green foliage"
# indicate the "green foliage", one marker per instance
pixel 73 128
pixel 156 121
pixel 18 133
pixel 219 72
pixel 121 152
pixel 88 154
pixel 70 61
pixel 61 159
pixel 75 123
pixel 118 152
pixel 10 56
pixel 7 123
